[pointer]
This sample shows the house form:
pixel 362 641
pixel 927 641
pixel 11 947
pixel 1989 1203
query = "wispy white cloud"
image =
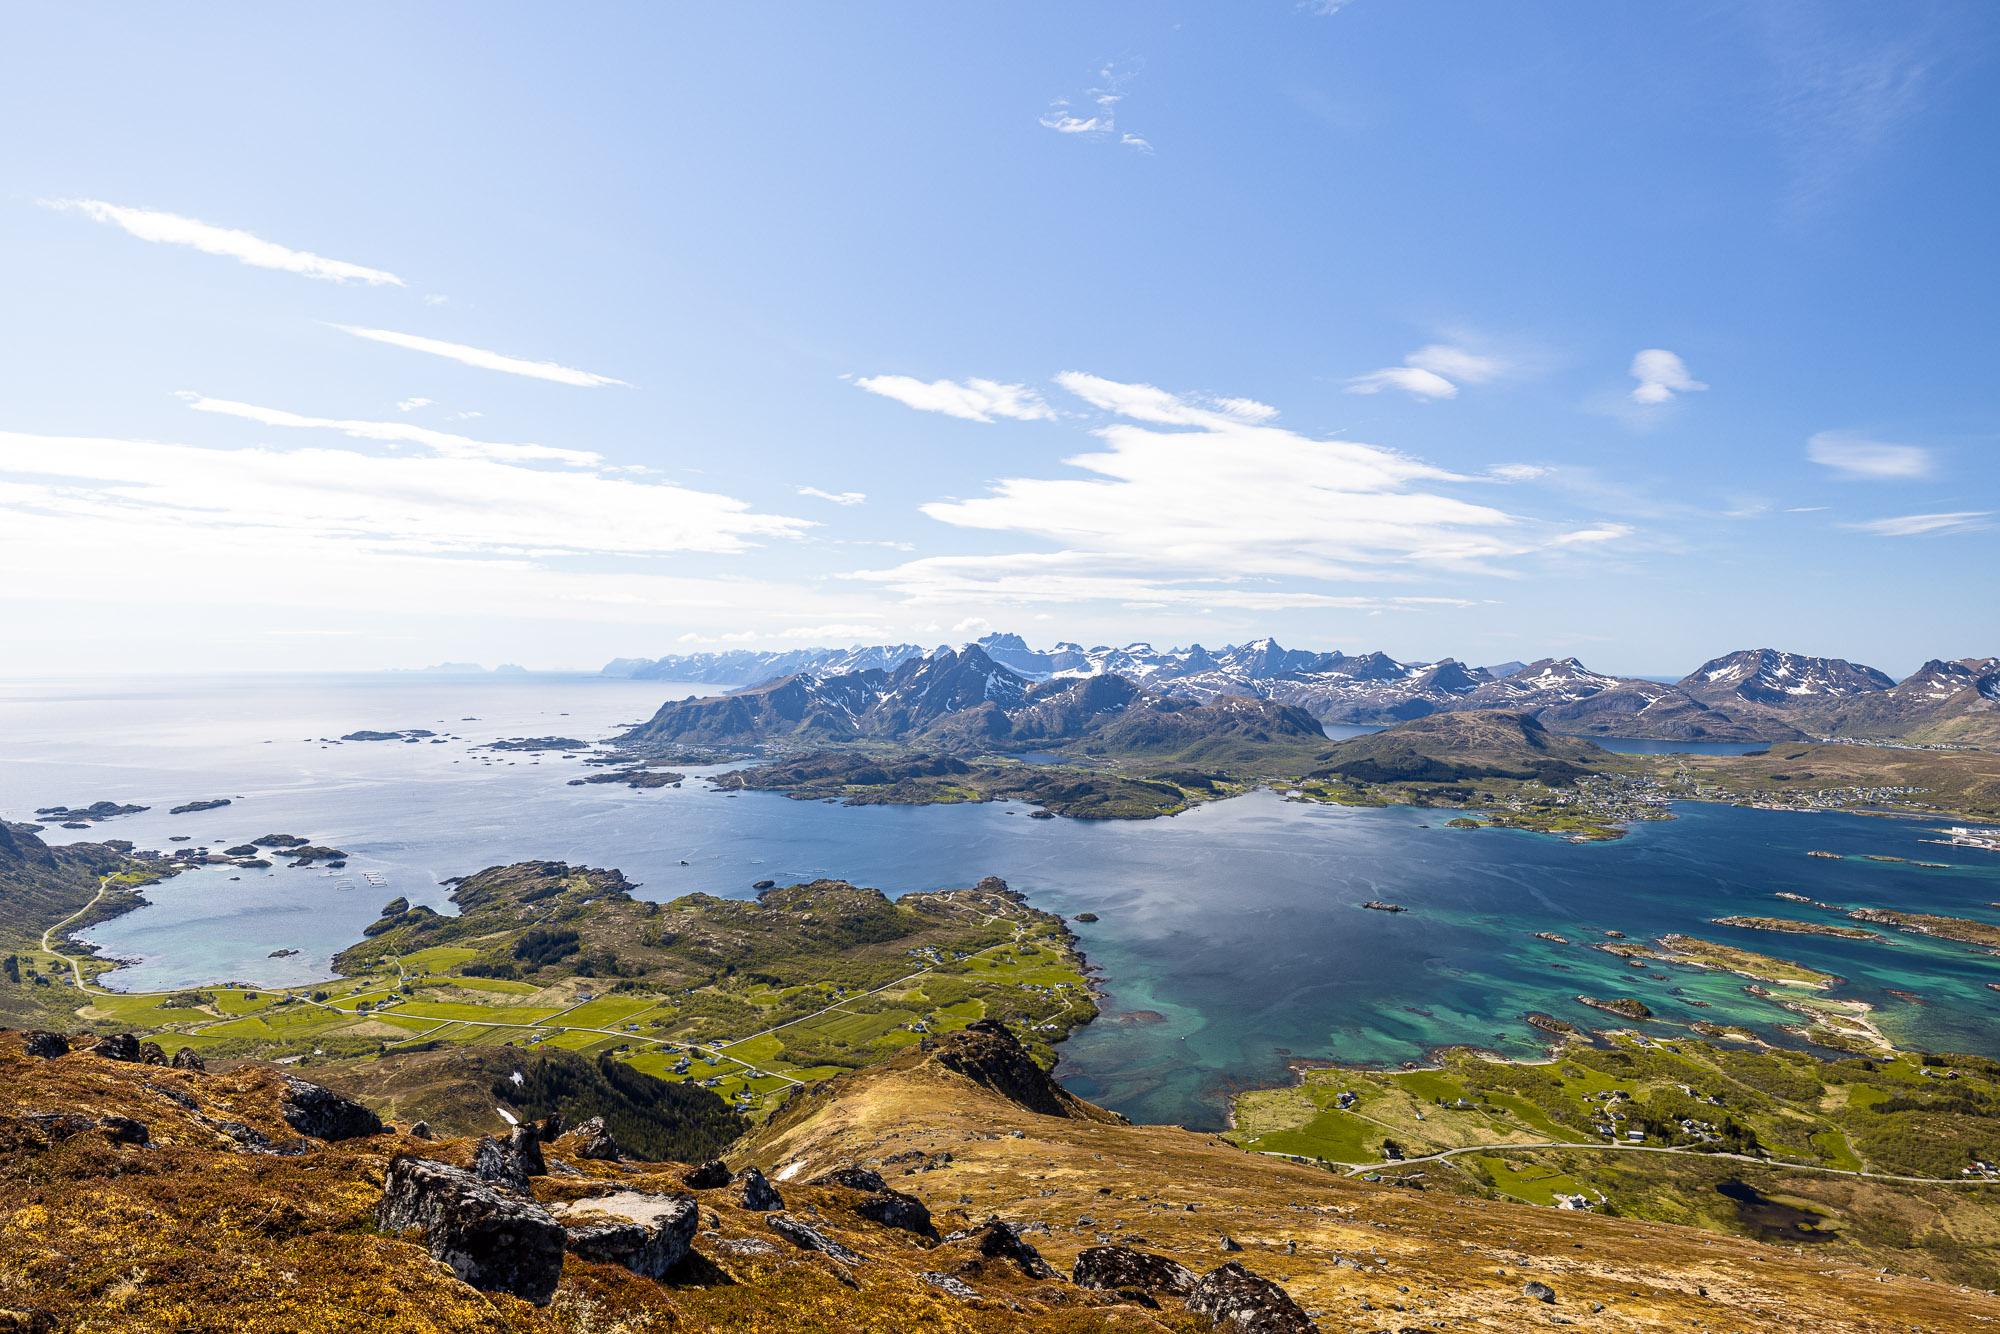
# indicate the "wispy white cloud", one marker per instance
pixel 1191 503
pixel 1860 459
pixel 1410 379
pixel 1661 375
pixel 173 229
pixel 482 358
pixel 1095 115
pixel 1926 525
pixel 442 442
pixel 438 505
pixel 836 497
pixel 1433 371
pixel 1517 472
pixel 970 400
pixel 412 404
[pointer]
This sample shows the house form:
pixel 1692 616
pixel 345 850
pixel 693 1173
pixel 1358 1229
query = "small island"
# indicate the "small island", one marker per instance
pixel 79 817
pixel 1796 927
pixel 1625 1007
pixel 1965 930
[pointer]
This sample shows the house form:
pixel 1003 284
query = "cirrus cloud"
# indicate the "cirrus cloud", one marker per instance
pixel 1926 525
pixel 164 228
pixel 482 358
pixel 1858 458
pixel 972 400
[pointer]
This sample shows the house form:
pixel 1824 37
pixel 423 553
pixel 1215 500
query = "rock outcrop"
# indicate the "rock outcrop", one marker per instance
pixel 647 1234
pixel 809 1238
pixel 324 1114
pixel 493 1241
pixel 758 1193
pixel 1000 1240
pixel 590 1139
pixel 711 1175
pixel 986 1052
pixel 117 1047
pixel 498 1163
pixel 1134 1275
pixel 1240 1302
pixel 890 1208
pixel 46 1046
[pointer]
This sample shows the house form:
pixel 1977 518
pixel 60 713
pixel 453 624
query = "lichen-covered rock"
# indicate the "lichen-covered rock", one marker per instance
pixel 526 1142
pixel 47 1046
pixel 711 1175
pixel 187 1058
pixel 1137 1275
pixel 999 1240
pixel 809 1238
pixel 1240 1302
pixel 495 1242
pixel 648 1234
pixel 758 1194
pixel 854 1178
pixel 591 1139
pixel 117 1047
pixel 890 1208
pixel 324 1114
pixel 1539 1291
pixel 422 1130
pixel 946 1283
pixel 152 1053
pixel 500 1164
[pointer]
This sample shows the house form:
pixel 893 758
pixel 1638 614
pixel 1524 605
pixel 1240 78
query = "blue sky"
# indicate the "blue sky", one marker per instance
pixel 391 334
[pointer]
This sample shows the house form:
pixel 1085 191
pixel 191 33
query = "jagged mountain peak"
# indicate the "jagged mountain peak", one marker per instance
pixel 1770 676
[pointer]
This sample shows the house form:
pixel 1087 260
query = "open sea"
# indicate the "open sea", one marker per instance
pixel 1230 939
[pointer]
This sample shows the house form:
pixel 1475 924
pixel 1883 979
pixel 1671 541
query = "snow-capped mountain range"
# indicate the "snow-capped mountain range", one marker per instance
pixel 1749 695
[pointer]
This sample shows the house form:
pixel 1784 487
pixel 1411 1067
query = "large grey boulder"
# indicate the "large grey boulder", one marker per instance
pixel 999 1240
pixel 117 1047
pixel 711 1175
pixel 1136 1275
pixel 494 1241
pixel 809 1238
pixel 592 1139
pixel 48 1046
pixel 648 1234
pixel 1242 1303
pixel 500 1164
pixel 324 1114
pixel 890 1208
pixel 759 1195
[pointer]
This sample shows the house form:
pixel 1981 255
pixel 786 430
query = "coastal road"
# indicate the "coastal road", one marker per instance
pixel 75 968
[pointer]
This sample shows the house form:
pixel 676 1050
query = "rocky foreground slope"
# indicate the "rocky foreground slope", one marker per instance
pixel 955 1188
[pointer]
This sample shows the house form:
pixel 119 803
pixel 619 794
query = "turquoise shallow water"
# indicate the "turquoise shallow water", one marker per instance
pixel 1230 939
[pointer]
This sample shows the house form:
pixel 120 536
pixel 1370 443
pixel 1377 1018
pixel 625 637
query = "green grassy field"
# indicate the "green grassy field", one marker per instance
pixel 857 985
pixel 1906 1115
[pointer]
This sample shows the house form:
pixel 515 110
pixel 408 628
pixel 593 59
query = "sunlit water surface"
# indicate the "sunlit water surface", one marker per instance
pixel 1230 938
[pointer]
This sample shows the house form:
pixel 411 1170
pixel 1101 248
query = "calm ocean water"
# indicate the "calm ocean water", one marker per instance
pixel 1230 938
